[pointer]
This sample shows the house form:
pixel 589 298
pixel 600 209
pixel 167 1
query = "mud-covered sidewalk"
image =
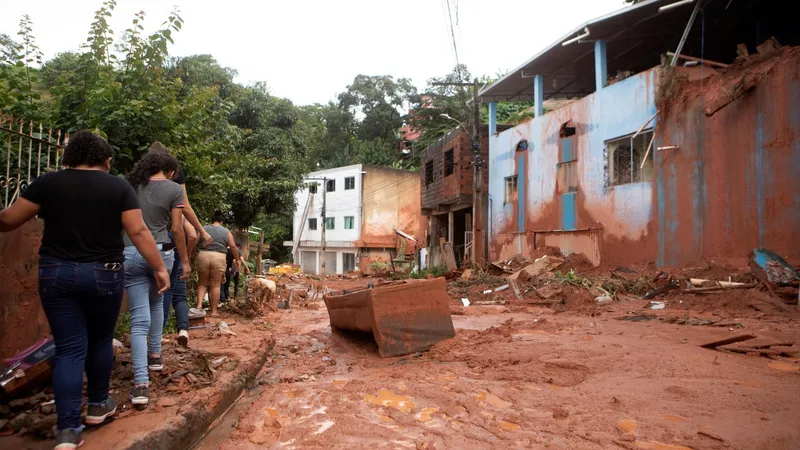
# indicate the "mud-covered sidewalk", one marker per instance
pixel 197 386
pixel 527 379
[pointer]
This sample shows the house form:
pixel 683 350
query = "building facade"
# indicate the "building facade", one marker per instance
pixel 360 207
pixel 655 163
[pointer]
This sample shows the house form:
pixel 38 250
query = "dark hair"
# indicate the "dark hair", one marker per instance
pixel 218 217
pixel 86 148
pixel 150 164
pixel 158 147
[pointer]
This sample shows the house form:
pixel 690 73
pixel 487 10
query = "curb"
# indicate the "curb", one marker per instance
pixel 196 417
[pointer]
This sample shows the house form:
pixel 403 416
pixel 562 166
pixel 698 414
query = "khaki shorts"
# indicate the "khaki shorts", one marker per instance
pixel 209 262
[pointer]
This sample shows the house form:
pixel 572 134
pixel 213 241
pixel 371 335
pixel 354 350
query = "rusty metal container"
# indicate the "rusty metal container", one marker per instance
pixel 403 318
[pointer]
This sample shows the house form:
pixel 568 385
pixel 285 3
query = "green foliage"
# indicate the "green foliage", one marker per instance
pixel 435 272
pixel 20 95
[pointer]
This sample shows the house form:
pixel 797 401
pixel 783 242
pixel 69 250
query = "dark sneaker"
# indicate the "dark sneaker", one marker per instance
pixel 139 396
pixel 155 364
pixel 97 414
pixel 68 439
pixel 183 338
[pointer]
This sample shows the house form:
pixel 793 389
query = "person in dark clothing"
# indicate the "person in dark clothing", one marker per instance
pixel 225 292
pixel 81 276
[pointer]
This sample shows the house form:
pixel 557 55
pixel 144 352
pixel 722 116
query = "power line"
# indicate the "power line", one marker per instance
pixel 453 35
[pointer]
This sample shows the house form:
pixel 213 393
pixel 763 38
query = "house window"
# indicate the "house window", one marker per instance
pixel 349 183
pixel 330 186
pixel 448 162
pixel 511 190
pixel 349 222
pixel 329 223
pixel 429 172
pixel 312 224
pixel 312 188
pixel 625 156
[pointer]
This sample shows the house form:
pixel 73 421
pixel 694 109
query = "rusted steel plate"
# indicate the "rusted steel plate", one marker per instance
pixel 403 318
pixel 350 311
pixel 410 317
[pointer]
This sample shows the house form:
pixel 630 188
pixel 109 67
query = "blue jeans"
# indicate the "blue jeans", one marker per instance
pixel 176 296
pixel 146 307
pixel 82 302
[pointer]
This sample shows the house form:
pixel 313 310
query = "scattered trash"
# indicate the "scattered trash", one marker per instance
pixel 218 362
pixel 465 302
pixel 195 313
pixel 603 300
pixel 657 305
pixel 502 288
pixel 467 274
pixel 768 266
pixel 488 291
pixel 225 329
pixel 549 290
pixel 326 358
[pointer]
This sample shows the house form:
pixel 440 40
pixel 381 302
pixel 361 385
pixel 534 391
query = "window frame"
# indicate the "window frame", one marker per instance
pixel 351 180
pixel 315 222
pixel 508 195
pixel 332 221
pixel 611 167
pixel 330 185
pixel 313 188
pixel 449 163
pixel 429 172
pixel 352 222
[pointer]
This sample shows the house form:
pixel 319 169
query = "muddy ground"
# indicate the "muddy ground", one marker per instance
pixel 520 376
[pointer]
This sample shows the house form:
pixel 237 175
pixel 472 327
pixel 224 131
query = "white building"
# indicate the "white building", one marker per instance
pixel 343 191
pixel 365 208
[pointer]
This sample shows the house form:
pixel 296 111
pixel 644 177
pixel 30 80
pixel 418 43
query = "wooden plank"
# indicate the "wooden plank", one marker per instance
pixel 730 340
pixel 449 256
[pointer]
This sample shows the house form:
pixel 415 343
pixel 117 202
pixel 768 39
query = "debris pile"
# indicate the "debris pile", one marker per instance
pixel 572 283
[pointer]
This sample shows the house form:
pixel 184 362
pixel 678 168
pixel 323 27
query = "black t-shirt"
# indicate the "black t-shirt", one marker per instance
pixel 179 177
pixel 82 212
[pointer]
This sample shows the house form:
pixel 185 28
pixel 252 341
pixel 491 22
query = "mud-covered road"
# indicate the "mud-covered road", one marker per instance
pixel 532 379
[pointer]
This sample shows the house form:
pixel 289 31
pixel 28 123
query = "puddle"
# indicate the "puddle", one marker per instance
pixel 784 366
pixel 508 426
pixel 670 418
pixel 627 425
pixel 659 446
pixel 387 398
pixel 425 414
pixel 493 400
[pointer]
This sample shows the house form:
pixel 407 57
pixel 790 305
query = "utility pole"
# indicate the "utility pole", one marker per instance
pixel 478 218
pixel 324 223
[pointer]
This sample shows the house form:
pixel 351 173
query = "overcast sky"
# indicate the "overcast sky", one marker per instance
pixel 310 50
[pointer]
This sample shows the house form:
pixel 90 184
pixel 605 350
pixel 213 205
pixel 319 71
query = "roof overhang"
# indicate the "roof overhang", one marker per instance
pixel 636 38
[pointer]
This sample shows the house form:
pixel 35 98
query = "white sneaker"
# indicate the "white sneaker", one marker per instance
pixel 183 338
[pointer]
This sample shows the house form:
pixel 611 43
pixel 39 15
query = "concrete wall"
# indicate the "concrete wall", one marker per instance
pixel 22 320
pixel 391 199
pixel 728 187
pixel 625 212
pixel 733 184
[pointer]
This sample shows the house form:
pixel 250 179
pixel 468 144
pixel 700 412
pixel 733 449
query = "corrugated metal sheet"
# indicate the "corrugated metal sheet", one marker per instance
pixel 569 242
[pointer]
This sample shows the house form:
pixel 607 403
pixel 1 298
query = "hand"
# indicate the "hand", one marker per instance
pixel 207 239
pixel 162 280
pixel 187 270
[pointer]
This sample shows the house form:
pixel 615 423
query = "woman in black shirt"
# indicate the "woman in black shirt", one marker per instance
pixel 81 275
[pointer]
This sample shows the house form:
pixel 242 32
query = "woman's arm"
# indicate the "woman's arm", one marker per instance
pixel 234 249
pixel 191 237
pixel 188 212
pixel 20 212
pixel 140 236
pixel 180 241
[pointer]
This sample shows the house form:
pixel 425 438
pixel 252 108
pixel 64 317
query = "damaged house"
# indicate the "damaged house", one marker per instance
pixel 657 157
pixel 357 217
